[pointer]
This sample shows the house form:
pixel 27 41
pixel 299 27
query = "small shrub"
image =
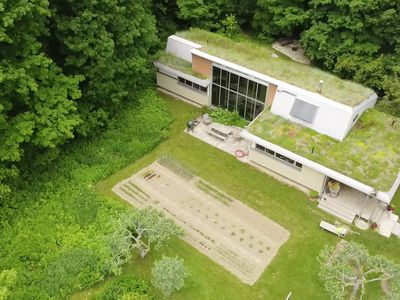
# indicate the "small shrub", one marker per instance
pixel 314 194
pixel 169 274
pixel 127 287
pixel 231 118
pixel 230 26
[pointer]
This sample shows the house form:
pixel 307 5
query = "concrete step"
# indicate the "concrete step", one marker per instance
pixel 337 210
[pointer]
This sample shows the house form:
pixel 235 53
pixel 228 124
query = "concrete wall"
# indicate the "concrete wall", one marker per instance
pixel 306 176
pixel 181 48
pixel 171 84
pixel 202 66
pixel 331 118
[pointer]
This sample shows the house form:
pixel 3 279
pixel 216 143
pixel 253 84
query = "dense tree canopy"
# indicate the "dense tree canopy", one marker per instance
pixel 356 39
pixel 109 43
pixel 274 18
pixel 65 68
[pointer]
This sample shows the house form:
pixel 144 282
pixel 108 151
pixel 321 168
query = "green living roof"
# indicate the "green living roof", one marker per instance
pixel 370 153
pixel 252 55
pixel 178 64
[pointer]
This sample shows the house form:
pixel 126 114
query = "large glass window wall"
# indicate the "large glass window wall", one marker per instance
pixel 235 92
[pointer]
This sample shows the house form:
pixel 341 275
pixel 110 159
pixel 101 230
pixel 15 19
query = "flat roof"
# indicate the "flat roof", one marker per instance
pixel 370 153
pixel 179 64
pixel 250 54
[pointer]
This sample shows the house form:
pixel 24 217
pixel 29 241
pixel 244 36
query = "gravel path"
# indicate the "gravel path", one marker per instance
pixel 235 236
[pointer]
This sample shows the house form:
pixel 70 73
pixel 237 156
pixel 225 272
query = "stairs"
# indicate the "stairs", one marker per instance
pixel 341 212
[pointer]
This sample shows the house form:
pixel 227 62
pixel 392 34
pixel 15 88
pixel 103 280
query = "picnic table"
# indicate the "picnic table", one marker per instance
pixel 220 131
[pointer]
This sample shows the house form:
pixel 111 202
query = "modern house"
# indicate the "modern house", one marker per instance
pixel 306 125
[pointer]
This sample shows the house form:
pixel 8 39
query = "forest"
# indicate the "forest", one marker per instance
pixel 72 72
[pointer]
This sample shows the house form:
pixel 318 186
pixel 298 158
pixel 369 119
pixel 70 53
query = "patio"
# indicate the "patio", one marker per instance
pixel 352 205
pixel 232 143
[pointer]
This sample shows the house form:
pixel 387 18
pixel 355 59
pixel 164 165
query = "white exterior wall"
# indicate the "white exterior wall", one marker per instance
pixel 306 176
pixel 332 119
pixel 172 85
pixel 359 109
pixel 181 48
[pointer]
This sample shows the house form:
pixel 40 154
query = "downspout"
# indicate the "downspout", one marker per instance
pixel 373 195
pixel 367 197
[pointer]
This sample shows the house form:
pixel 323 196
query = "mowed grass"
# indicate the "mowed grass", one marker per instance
pixel 295 268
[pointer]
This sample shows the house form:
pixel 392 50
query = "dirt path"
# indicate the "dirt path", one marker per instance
pixel 232 234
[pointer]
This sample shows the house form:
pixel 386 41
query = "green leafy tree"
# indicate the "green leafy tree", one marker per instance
pixel 348 266
pixel 38 108
pixel 166 13
pixel 274 18
pixel 362 28
pixel 110 42
pixel 230 26
pixel 391 100
pixel 169 274
pixel 205 14
pixel 141 230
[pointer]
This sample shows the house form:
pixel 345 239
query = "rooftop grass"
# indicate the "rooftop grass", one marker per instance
pixel 252 55
pixel 369 153
pixel 179 64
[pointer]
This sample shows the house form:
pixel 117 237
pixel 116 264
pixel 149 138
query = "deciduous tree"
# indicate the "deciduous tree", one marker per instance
pixel 141 230
pixel 110 42
pixel 169 274
pixel 349 266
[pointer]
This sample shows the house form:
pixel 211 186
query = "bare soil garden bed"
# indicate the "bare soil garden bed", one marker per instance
pixel 235 236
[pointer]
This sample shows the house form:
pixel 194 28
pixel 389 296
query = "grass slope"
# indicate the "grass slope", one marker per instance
pixel 294 269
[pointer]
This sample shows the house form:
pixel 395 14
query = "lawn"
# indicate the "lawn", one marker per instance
pixel 252 55
pixel 295 268
pixel 369 153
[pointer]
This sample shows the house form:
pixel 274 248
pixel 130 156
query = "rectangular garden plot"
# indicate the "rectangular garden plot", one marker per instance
pixel 232 234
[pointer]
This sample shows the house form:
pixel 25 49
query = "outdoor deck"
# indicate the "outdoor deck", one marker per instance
pixel 351 203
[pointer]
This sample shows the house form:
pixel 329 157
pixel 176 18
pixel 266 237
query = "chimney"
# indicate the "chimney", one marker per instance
pixel 320 84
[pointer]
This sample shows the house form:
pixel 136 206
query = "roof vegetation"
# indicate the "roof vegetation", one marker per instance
pixel 251 54
pixel 179 64
pixel 370 152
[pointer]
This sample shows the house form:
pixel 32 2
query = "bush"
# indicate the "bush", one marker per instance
pixel 127 287
pixel 169 274
pixel 53 228
pixel 230 26
pixel 224 116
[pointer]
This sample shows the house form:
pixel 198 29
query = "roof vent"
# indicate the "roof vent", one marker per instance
pixel 319 87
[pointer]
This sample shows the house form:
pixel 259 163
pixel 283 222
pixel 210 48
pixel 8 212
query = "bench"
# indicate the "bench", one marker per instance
pixel 339 231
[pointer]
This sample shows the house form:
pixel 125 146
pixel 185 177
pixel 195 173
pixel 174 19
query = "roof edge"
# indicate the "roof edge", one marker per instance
pixel 383 196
